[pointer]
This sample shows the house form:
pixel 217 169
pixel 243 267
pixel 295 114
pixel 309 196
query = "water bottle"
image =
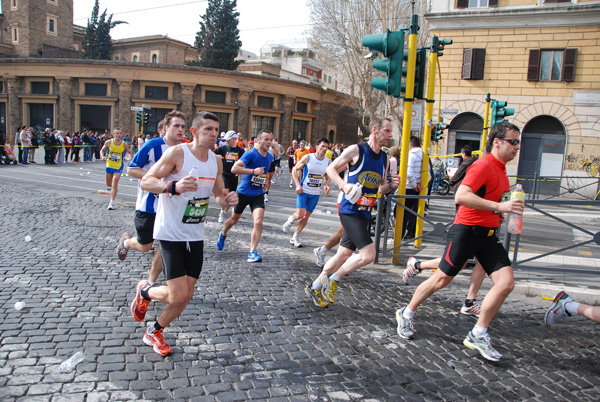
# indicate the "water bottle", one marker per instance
pixel 71 362
pixel 515 222
pixel 190 194
pixel 354 194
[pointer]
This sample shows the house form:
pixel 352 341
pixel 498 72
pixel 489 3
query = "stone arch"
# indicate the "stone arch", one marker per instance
pixel 556 110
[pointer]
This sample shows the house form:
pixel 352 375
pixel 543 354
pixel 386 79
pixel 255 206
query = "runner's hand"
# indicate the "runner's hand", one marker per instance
pixel 188 183
pixel 230 197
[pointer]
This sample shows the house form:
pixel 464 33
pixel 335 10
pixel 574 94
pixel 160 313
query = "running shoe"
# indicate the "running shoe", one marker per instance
pixel 405 325
pixel 157 341
pixel 320 257
pixel 121 250
pixel 474 310
pixel 287 225
pixel 483 345
pixel 291 184
pixel 316 295
pixel 139 305
pixel 254 257
pixel 221 241
pixel 295 242
pixel 411 270
pixel 266 197
pixel 557 309
pixel 111 206
pixel 222 216
pixel 329 289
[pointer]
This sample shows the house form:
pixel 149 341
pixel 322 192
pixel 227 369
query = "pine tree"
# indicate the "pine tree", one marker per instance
pixel 97 43
pixel 218 41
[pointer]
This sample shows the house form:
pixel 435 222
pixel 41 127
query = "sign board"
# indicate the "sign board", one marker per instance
pixel 586 97
pixel 146 107
pixel 47 121
pixel 451 112
pixel 416 123
pixel 137 108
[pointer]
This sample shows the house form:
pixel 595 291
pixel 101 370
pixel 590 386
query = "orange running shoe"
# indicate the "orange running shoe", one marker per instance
pixel 139 305
pixel 157 341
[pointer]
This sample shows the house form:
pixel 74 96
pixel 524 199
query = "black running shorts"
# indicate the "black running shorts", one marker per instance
pixel 144 226
pixel 464 242
pixel 356 232
pixel 230 182
pixel 272 166
pixel 254 202
pixel 182 258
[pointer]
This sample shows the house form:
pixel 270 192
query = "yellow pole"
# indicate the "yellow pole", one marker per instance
pixel 433 57
pixel 486 119
pixel 406 126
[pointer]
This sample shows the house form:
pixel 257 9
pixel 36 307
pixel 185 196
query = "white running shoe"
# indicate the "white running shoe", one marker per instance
pixel 266 197
pixel 410 271
pixel 320 257
pixel 474 310
pixel 287 225
pixel 295 242
pixel 222 216
pixel 483 345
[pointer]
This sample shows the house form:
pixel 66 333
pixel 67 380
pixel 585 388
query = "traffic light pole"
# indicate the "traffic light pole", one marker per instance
pixel 486 121
pixel 406 128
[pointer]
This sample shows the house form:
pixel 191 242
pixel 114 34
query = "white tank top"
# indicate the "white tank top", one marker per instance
pixel 314 174
pixel 179 218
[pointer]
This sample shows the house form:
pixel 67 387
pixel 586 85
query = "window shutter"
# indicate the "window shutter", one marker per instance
pixel 473 64
pixel 568 68
pixel 467 63
pixel 533 69
pixel 493 3
pixel 462 3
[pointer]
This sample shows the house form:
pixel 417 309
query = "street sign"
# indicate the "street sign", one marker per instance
pixel 417 118
pixel 451 112
pixel 137 108
pixel 146 106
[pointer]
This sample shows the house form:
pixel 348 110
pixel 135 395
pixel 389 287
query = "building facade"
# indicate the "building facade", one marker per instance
pixel 542 57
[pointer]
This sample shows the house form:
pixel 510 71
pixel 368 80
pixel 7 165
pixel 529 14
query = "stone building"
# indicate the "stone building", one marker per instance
pixel 541 56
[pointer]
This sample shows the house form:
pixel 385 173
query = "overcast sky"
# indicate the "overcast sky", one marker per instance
pixel 260 20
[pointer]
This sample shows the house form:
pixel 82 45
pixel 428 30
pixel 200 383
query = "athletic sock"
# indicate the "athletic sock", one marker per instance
pixel 478 332
pixel 151 283
pixel 335 277
pixel 125 245
pixel 323 250
pixel 157 326
pixel 317 284
pixel 571 307
pixel 469 302
pixel 408 313
pixel 418 266
pixel 144 292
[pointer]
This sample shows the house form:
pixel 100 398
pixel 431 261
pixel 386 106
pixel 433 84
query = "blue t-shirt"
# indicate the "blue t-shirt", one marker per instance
pixel 252 185
pixel 145 158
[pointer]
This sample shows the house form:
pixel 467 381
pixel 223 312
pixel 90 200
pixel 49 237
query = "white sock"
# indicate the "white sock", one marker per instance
pixel 125 244
pixel 335 278
pixel 290 220
pixel 295 236
pixel 151 283
pixel 408 313
pixel 323 250
pixel 317 284
pixel 478 331
pixel 571 307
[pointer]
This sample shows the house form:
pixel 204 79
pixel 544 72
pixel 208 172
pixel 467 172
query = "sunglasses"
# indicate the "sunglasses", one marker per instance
pixel 511 141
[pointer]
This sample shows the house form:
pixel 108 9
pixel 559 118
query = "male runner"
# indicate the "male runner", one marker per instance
pixel 114 162
pixel 368 165
pixel 147 202
pixel 291 161
pixel 274 151
pixel 309 189
pixel 231 153
pixel 179 223
pixel 474 233
pixel 254 165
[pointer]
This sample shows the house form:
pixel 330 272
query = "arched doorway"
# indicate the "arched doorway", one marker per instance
pixel 465 129
pixel 542 153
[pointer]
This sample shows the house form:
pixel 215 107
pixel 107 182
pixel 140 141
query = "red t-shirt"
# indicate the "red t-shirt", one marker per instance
pixel 487 178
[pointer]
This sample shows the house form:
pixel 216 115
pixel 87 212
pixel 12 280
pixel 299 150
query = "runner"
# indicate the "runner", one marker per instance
pixel 254 165
pixel 308 190
pixel 291 161
pixel 274 151
pixel 114 163
pixel 182 207
pixel 231 153
pixel 368 167
pixel 474 233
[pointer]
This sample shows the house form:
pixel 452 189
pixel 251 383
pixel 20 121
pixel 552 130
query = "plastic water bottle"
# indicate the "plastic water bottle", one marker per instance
pixel 71 362
pixel 515 222
pixel 190 194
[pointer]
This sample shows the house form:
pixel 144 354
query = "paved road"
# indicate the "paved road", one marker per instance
pixel 250 332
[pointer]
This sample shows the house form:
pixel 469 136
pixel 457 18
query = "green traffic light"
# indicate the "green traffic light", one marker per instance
pixel 391 45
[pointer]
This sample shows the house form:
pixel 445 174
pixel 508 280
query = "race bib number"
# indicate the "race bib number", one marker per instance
pixel 114 156
pixel 366 202
pixel 258 181
pixel 232 157
pixel 314 180
pixel 196 210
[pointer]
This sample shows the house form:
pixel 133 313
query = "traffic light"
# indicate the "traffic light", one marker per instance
pixel 391 45
pixel 138 117
pixel 437 130
pixel 419 88
pixel 146 117
pixel 437 45
pixel 499 112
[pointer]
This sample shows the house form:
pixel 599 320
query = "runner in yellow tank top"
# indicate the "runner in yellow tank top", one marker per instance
pixel 114 162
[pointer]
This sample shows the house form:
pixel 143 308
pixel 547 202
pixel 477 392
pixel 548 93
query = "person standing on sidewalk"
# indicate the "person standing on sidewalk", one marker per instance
pixel 308 189
pixel 231 153
pixel 473 233
pixel 413 187
pixel 254 165
pixel 182 208
pixel 368 166
pixel 114 162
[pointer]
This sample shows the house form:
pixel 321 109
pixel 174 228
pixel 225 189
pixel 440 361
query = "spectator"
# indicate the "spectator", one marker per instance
pixel 25 136
pixel 68 145
pixel 86 140
pixel 413 187
pixel 76 147
pixel 60 148
pixel 438 167
pixel 34 145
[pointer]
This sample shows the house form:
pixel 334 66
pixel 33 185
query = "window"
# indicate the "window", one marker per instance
pixel 299 130
pixel 476 3
pixel 223 121
pixel 1 86
pixel 262 123
pixel 265 102
pixel 117 58
pixel 156 92
pixel 135 58
pixel 40 87
pixel 154 58
pixel 92 89
pixel 556 1
pixel 552 65
pixel 473 64
pixel 216 97
pixel 13 4
pixel 53 2
pixel 51 24
pixel 302 107
pixel 15 34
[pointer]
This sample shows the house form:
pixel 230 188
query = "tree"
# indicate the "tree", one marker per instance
pixel 218 40
pixel 97 43
pixel 338 28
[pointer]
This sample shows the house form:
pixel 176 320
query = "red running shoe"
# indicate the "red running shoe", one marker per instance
pixel 139 305
pixel 157 341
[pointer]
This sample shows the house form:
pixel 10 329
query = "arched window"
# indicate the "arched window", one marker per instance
pixel 154 58
pixel 135 59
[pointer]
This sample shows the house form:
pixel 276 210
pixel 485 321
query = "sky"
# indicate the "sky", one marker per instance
pixel 260 20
